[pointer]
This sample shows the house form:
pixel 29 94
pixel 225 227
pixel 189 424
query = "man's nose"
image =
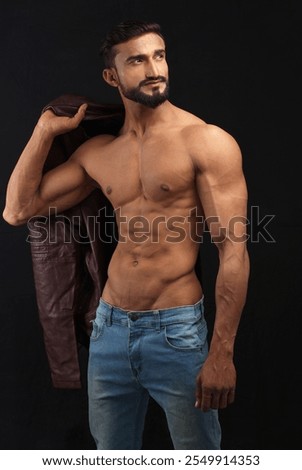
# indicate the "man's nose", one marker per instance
pixel 151 70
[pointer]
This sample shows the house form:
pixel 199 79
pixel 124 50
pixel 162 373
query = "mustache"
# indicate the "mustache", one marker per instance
pixel 160 78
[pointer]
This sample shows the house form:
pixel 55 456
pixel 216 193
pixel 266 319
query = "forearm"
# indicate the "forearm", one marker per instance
pixel 26 177
pixel 230 296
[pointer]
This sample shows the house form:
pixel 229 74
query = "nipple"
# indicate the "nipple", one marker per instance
pixel 108 190
pixel 135 263
pixel 165 187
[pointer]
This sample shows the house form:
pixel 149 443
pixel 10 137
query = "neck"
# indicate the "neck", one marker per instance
pixel 139 118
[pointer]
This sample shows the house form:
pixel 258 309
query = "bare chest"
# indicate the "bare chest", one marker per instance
pixel 158 170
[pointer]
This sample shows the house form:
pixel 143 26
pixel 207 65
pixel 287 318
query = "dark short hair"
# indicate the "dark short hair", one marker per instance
pixel 123 32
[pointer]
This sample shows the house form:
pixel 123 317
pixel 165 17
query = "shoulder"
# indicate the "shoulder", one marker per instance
pixel 198 134
pixel 210 145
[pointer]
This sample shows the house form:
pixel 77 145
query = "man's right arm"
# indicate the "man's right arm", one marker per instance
pixel 31 193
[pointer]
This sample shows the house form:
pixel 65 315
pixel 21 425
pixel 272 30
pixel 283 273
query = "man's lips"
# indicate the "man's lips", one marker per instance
pixel 153 82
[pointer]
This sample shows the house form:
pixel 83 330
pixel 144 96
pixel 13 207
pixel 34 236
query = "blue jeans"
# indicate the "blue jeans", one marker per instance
pixel 157 353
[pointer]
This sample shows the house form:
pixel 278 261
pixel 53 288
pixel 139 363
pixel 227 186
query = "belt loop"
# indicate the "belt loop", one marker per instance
pixel 157 320
pixel 109 316
pixel 199 307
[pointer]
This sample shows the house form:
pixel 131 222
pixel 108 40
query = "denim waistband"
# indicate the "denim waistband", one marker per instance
pixel 150 318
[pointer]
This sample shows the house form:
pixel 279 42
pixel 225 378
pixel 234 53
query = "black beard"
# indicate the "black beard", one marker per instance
pixel 151 101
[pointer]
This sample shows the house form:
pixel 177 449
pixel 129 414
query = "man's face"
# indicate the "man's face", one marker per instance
pixel 142 70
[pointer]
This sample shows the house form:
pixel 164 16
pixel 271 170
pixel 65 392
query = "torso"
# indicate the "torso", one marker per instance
pixel 150 182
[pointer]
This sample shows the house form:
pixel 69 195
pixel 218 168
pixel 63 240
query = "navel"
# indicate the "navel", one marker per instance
pixel 108 190
pixel 135 263
pixel 164 187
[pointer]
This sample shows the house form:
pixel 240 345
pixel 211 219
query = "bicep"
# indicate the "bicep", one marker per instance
pixel 63 187
pixel 222 189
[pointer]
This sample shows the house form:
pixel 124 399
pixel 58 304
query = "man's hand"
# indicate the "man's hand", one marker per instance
pixel 54 125
pixel 215 384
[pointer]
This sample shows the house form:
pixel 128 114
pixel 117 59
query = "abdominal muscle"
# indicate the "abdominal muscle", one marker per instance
pixel 148 275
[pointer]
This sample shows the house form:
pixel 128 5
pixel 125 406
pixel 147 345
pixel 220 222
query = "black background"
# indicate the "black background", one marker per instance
pixel 234 64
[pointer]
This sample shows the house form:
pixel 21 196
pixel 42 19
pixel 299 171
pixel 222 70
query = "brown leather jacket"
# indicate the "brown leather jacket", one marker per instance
pixel 71 250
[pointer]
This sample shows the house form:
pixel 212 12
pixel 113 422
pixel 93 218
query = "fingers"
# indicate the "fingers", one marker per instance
pixel 77 118
pixel 203 398
pixel 82 108
pixel 209 399
pixel 198 402
pixel 206 400
pixel 55 125
pixel 231 396
pixel 48 112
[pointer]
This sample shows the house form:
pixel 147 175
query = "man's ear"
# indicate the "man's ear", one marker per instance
pixel 110 77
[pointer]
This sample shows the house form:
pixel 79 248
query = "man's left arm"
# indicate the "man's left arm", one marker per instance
pixel 223 195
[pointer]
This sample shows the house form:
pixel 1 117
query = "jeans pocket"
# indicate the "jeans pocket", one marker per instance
pixel 97 328
pixel 186 335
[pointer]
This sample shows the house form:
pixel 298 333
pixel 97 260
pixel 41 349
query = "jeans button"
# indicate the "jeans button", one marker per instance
pixel 134 316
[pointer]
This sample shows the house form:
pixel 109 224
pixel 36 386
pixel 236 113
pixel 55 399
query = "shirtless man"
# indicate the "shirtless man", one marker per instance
pixel 164 171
